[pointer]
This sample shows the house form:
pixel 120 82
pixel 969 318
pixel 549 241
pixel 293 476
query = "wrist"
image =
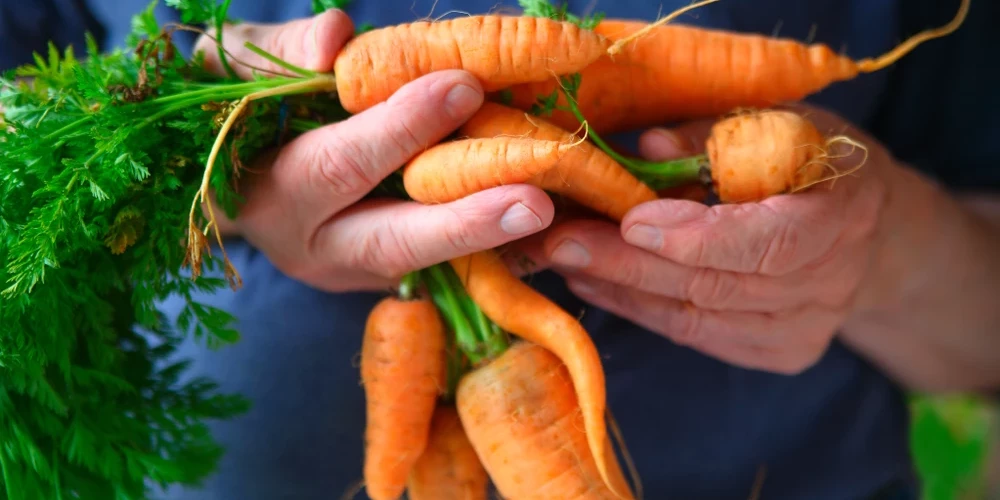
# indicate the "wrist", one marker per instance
pixel 916 232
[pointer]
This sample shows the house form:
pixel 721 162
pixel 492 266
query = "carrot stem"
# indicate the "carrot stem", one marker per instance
pixel 408 285
pixel 443 295
pixel 475 335
pixel 657 175
pixel 284 64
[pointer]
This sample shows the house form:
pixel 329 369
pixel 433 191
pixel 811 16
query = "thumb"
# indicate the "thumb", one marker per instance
pixel 311 43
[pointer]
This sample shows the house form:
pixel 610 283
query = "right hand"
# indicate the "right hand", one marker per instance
pixel 303 208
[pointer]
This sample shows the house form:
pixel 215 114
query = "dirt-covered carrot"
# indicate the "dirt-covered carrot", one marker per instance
pixel 520 413
pixel 455 169
pixel 664 73
pixel 585 174
pixel 403 371
pixel 517 308
pixel 449 468
pixel 757 154
pixel 499 50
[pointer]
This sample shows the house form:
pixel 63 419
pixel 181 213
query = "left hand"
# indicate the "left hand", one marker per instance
pixel 759 285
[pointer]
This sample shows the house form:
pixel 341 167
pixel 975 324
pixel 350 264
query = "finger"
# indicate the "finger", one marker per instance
pixel 393 238
pixel 328 169
pixel 595 248
pixel 311 43
pixel 526 256
pixel 688 139
pixel 788 343
pixel 774 238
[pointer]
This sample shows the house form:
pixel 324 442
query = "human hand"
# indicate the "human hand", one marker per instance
pixel 758 285
pixel 303 207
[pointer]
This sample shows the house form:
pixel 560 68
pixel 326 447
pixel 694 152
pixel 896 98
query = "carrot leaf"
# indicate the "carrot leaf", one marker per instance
pixel 542 8
pixel 102 158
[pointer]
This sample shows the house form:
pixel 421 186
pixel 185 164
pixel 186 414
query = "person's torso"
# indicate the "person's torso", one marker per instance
pixel 695 427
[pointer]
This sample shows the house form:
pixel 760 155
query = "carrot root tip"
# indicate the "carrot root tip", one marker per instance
pixel 822 160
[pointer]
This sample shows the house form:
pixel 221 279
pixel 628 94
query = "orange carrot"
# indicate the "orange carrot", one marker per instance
pixel 403 372
pixel 455 169
pixel 754 155
pixel 499 50
pixel 585 174
pixel 519 309
pixel 666 73
pixel 449 468
pixel 520 414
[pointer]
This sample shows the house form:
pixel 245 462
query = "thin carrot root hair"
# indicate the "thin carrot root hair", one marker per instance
pixel 197 241
pixel 869 65
pixel 825 155
pixel 617 47
pixel 353 489
pixel 633 472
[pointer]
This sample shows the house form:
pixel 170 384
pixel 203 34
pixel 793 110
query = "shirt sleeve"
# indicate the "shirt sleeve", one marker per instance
pixel 27 27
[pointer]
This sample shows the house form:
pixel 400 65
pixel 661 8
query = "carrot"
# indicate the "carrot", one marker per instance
pixel 449 468
pixel 403 374
pixel 584 174
pixel 499 50
pixel 455 169
pixel 519 309
pixel 757 154
pixel 655 74
pixel 520 414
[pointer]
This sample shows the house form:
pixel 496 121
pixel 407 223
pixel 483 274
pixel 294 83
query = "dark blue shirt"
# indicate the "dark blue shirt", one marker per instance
pixel 696 427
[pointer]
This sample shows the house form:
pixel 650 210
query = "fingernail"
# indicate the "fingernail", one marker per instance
pixel 519 219
pixel 462 100
pixel 643 236
pixel 572 254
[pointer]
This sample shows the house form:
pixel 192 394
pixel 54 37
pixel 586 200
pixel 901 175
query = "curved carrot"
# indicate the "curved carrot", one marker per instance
pixel 449 468
pixel 585 174
pixel 403 373
pixel 665 73
pixel 499 50
pixel 520 414
pixel 455 169
pixel 519 309
pixel 757 154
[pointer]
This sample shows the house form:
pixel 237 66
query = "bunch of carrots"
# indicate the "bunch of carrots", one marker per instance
pixel 471 376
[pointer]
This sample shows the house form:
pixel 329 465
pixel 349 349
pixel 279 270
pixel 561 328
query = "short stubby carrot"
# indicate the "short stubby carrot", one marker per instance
pixel 757 154
pixel 449 468
pixel 403 370
pixel 585 174
pixel 678 72
pixel 498 50
pixel 518 308
pixel 455 169
pixel 520 412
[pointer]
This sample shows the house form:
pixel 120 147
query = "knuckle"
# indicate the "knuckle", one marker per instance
pixel 622 299
pixel 709 286
pixel 383 252
pixel 459 233
pixel 341 165
pixel 403 134
pixel 632 273
pixel 687 326
pixel 779 247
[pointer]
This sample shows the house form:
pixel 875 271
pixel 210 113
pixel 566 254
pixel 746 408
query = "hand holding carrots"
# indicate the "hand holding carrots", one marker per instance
pixel 760 285
pixel 305 207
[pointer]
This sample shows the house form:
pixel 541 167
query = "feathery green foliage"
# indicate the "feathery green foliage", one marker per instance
pixel 101 159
